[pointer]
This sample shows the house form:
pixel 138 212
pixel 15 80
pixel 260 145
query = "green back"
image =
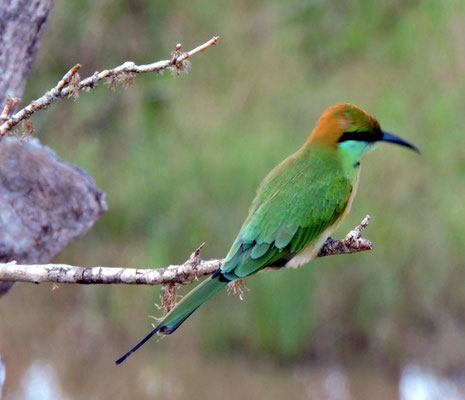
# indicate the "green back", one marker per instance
pixel 295 203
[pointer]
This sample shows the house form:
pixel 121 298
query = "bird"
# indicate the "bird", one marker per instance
pixel 296 208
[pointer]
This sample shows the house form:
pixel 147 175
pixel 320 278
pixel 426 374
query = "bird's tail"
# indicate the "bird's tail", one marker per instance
pixel 184 309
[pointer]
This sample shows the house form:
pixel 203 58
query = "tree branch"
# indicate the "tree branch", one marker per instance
pixel 71 84
pixel 22 24
pixel 193 268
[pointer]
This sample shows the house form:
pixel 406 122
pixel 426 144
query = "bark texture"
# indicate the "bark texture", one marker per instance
pixel 45 203
pixel 21 26
pixel 187 272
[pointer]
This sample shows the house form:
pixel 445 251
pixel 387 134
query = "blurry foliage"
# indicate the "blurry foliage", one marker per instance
pixel 180 158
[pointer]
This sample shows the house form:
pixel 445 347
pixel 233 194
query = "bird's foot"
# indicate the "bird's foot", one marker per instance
pixel 238 288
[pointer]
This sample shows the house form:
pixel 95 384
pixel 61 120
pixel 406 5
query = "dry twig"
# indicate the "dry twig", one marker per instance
pixel 71 84
pixel 9 106
pixel 193 268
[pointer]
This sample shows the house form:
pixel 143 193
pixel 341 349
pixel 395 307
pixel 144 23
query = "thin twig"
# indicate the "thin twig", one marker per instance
pixel 193 268
pixel 352 243
pixel 71 84
pixel 9 106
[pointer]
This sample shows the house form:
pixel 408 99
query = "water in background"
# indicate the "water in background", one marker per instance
pixel 40 382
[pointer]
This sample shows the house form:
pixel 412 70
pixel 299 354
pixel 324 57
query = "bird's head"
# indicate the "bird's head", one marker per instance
pixel 348 127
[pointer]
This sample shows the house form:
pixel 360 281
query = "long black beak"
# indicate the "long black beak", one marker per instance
pixel 389 137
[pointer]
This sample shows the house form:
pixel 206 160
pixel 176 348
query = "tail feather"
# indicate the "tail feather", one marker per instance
pixel 184 309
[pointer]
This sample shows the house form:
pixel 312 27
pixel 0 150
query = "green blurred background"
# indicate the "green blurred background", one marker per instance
pixel 180 157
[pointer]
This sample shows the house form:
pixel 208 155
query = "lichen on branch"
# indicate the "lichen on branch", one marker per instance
pixel 71 84
pixel 187 272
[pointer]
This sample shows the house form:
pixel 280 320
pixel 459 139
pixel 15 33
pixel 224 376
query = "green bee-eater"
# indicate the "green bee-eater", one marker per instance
pixel 297 207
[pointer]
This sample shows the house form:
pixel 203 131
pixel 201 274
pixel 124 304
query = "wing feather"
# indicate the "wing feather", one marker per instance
pixel 295 203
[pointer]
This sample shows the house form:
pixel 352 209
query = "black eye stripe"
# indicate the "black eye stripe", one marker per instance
pixel 361 136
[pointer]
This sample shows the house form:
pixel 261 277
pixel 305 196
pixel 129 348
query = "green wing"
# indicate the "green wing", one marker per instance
pixel 295 203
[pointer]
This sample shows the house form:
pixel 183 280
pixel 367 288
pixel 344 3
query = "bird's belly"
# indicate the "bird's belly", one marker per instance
pixel 311 250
